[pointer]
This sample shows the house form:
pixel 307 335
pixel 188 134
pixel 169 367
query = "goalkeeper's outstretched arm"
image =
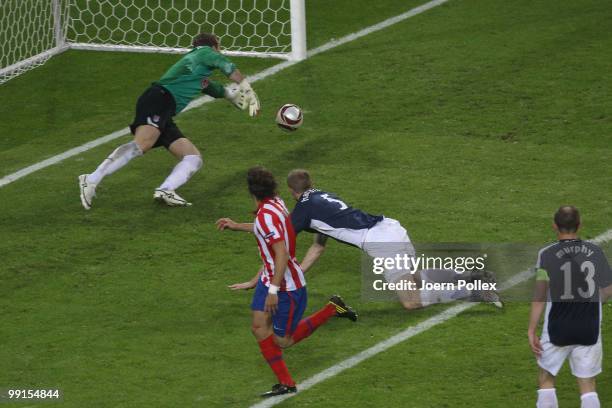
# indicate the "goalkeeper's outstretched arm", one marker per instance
pixel 236 76
pixel 217 90
pixel 214 89
pixel 242 96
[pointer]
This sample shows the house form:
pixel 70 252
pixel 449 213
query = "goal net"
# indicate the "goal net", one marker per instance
pixel 31 31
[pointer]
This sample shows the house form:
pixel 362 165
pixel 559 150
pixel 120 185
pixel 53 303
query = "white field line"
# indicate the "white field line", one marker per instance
pixel 200 101
pixel 602 238
pixel 404 335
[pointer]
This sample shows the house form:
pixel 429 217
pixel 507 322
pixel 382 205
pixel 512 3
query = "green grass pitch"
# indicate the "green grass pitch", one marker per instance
pixel 471 122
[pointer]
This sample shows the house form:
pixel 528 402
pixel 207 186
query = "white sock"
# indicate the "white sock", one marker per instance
pixel 589 400
pixel 182 172
pixel 547 398
pixel 117 159
pixel 430 297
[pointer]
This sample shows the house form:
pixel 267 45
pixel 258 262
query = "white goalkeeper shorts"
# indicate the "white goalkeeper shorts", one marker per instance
pixel 387 239
pixel 585 361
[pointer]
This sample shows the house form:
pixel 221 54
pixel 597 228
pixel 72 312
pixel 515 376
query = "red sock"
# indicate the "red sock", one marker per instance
pixel 308 325
pixel 274 356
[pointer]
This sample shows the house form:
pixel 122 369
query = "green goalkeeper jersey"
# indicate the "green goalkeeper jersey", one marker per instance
pixel 189 76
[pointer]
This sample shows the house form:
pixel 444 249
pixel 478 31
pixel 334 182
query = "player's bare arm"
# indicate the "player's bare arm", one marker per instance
pixel 281 258
pixel 606 294
pixel 537 309
pixel 227 223
pixel 314 252
pixel 248 284
pixel 236 76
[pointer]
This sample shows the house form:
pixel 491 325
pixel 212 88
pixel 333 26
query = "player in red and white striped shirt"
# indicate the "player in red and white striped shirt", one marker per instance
pixel 272 225
pixel 280 296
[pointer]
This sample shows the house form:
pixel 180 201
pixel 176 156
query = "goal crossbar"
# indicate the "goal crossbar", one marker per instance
pixel 68 27
pixel 170 50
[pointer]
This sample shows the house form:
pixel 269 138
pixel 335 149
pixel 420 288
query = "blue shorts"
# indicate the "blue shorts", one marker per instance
pixel 291 307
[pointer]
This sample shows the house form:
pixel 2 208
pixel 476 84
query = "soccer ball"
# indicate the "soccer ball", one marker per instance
pixel 289 117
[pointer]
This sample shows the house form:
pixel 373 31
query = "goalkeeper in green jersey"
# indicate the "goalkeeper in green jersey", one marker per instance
pixel 153 125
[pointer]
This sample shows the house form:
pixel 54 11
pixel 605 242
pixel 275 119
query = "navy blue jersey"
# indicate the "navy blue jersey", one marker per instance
pixel 326 213
pixel 575 271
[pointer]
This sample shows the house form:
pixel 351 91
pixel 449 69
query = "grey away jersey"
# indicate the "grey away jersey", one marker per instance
pixel 575 271
pixel 326 213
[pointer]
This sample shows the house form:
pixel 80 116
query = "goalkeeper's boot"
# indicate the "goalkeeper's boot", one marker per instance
pixel 487 296
pixel 342 310
pixel 88 191
pixel 170 198
pixel 280 389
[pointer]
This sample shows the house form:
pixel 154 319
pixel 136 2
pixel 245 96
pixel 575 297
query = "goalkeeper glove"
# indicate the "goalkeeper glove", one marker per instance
pixel 232 94
pixel 250 99
pixel 243 97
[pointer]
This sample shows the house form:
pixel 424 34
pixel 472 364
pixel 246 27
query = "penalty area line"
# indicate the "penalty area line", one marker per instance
pixel 10 178
pixel 403 336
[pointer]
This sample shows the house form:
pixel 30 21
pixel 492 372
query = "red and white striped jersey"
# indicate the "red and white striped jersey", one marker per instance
pixel 273 224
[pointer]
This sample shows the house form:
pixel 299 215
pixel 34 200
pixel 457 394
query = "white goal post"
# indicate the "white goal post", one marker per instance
pixel 32 31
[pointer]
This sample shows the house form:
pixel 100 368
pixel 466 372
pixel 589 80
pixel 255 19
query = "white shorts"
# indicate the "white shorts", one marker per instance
pixel 387 239
pixel 585 361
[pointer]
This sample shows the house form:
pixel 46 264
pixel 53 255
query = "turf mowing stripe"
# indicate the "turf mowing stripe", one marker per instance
pixel 199 102
pixel 404 335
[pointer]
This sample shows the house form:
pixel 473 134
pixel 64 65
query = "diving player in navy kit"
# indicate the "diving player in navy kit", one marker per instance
pixel 326 215
pixel 573 278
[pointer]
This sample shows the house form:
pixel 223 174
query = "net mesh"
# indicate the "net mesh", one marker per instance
pixel 29 28
pixel 27 33
pixel 242 25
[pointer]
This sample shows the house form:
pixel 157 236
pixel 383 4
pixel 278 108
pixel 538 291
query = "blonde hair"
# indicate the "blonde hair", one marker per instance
pixel 299 180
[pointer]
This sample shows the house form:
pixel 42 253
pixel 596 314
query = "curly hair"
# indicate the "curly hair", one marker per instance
pixel 261 183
